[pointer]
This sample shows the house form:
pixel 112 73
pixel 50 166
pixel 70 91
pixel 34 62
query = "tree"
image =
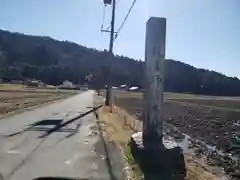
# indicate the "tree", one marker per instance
pixel 53 61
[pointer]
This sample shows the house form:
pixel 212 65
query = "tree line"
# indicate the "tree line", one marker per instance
pixel 43 58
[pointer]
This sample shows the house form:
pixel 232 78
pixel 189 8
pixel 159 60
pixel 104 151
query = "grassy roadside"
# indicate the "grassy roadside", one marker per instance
pixel 136 172
pixel 118 127
pixel 115 130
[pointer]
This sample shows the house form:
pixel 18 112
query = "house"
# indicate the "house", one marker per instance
pixel 123 86
pixel 68 84
pixel 34 83
pixel 133 88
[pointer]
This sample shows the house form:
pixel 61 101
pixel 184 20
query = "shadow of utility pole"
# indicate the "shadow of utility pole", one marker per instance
pixel 56 128
pixel 57 123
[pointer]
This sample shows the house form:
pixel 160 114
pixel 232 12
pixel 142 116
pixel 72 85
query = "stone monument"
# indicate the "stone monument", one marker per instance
pixel 157 159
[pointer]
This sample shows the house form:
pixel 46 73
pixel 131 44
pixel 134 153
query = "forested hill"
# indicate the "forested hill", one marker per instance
pixel 52 61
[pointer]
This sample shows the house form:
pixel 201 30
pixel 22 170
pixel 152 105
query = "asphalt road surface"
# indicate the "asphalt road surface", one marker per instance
pixel 59 140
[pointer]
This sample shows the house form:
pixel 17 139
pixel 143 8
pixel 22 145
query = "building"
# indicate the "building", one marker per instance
pixel 68 85
pixel 34 83
pixel 133 88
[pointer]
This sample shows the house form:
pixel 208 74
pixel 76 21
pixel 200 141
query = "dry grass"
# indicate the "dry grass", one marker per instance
pixel 119 131
pixel 13 105
pixel 113 128
pixel 198 170
pixel 18 97
pixel 11 86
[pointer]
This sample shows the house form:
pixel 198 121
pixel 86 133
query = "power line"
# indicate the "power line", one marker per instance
pixel 103 18
pixel 120 28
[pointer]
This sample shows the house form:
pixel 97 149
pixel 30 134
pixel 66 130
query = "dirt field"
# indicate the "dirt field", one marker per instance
pixel 16 97
pixel 118 127
pixel 214 120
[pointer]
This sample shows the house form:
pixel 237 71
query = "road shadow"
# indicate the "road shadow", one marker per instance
pixel 48 122
pixel 48 131
pixel 58 125
pixel 56 128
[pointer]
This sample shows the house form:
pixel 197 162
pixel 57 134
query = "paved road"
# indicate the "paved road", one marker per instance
pixel 51 141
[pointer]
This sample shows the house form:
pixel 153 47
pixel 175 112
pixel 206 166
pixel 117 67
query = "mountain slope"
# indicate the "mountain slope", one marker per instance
pixel 23 56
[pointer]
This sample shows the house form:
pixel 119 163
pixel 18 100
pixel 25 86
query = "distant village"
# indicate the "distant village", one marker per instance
pixel 65 85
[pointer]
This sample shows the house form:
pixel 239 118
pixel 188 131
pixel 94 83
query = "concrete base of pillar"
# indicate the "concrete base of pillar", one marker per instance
pixel 158 163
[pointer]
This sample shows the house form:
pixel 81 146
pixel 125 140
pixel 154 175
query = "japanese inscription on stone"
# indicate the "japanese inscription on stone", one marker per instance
pixel 154 57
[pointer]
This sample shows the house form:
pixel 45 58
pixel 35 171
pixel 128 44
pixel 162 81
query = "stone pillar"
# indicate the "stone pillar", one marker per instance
pixel 154 70
pixel 148 148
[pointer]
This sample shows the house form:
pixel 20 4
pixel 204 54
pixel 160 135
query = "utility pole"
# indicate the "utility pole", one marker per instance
pixel 112 26
pixel 108 100
pixel 109 96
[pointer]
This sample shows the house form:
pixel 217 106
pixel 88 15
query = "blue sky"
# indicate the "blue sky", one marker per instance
pixel 203 33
